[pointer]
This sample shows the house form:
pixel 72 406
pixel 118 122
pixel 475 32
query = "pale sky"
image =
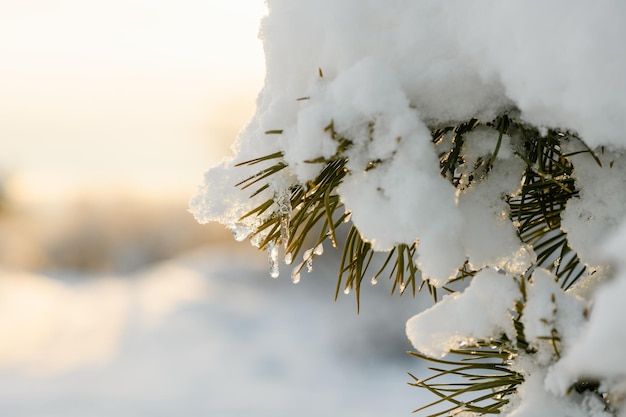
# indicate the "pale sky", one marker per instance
pixel 144 94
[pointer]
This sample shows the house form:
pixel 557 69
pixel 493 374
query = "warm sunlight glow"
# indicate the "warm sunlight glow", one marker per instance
pixel 142 93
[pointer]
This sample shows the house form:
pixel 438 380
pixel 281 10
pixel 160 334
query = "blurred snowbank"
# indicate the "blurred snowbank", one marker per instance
pixel 205 334
pixel 58 324
pixel 50 326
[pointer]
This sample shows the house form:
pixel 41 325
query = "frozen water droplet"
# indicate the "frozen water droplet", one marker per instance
pixel 307 257
pixel 374 281
pixel 240 233
pixel 284 210
pixel 295 275
pixel 272 255
pixel 284 204
pixel 256 240
pixel 284 230
pixel 288 258
pixel 402 287
pixel 346 291
pixel 319 249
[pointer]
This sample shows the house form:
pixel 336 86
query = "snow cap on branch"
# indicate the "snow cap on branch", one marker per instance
pixel 481 312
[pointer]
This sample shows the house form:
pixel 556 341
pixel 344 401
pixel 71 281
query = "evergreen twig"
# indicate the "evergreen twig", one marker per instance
pixel 547 185
pixel 489 381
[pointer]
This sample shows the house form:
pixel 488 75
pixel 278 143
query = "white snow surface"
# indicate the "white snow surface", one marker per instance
pixel 549 312
pixel 534 401
pixel 466 317
pixel 599 353
pixel 561 63
pixel 489 237
pixel 600 208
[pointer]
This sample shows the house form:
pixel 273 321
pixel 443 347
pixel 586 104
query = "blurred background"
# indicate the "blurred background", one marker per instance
pixel 106 106
pixel 113 300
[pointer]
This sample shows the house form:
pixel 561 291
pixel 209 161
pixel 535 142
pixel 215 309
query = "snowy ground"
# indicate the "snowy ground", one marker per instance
pixel 207 334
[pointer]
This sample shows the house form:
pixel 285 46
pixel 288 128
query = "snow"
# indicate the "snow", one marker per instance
pixel 466 317
pixel 559 62
pixel 598 352
pixel 489 236
pixel 551 313
pixel 586 224
pixel 219 182
pixel 457 60
pixel 409 76
pixel 536 401
pixel 201 335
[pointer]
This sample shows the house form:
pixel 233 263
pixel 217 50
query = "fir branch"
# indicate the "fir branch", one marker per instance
pixel 450 142
pixel 308 206
pixel 356 260
pixel 502 123
pixel 313 207
pixel 482 378
pixel 485 368
pixel 547 185
pixel 536 210
pixel 451 159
